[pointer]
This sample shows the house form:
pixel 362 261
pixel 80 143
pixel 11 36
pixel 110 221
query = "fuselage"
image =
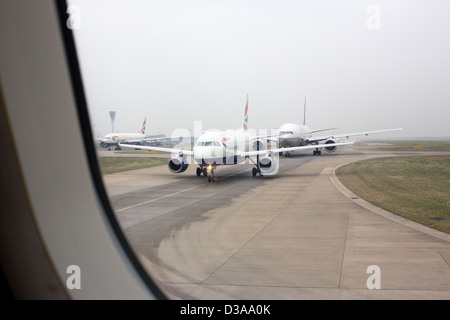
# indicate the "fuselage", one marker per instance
pixel 116 138
pixel 293 135
pixel 222 147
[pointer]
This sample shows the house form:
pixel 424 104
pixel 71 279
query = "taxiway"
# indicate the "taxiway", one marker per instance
pixel 297 235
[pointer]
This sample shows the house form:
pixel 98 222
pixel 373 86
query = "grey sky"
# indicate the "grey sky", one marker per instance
pixel 176 62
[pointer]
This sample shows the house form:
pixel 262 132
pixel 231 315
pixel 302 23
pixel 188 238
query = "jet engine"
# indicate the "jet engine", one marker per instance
pixel 178 164
pixel 103 145
pixel 258 144
pixel 330 149
pixel 268 165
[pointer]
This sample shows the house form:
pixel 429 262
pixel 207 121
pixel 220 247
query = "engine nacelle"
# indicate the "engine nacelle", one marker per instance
pixel 178 165
pixel 103 145
pixel 258 144
pixel 268 165
pixel 330 149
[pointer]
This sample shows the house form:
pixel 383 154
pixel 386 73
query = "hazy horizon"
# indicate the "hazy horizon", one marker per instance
pixel 362 65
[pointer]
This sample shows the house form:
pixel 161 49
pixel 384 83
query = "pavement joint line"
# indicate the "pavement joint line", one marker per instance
pixel 276 215
pixel 443 258
pixel 176 193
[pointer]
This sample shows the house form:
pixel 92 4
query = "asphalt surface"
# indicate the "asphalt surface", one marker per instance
pixel 297 235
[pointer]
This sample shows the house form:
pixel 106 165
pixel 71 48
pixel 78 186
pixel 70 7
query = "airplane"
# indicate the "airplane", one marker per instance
pixel 213 148
pixel 295 134
pixel 113 139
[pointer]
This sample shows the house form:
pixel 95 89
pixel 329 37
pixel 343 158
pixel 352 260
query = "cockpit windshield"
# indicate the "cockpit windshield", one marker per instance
pixel 282 133
pixel 208 143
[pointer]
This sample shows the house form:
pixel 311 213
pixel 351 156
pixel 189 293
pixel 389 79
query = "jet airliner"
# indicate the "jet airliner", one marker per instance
pixel 296 134
pixel 230 147
pixel 113 139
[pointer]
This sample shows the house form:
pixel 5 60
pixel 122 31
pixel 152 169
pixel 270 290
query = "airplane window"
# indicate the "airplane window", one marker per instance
pixel 148 47
pixel 159 68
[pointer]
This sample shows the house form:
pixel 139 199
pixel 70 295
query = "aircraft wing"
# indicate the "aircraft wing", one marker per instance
pixel 326 129
pixel 269 138
pixel 167 150
pixel 264 152
pixel 348 135
pixel 155 139
pixel 133 141
pixel 161 138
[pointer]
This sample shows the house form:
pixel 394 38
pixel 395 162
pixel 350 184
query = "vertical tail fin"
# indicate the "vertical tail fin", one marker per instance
pixel 304 113
pixel 143 126
pixel 245 120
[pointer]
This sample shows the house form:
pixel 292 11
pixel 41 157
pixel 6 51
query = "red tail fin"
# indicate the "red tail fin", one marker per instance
pixel 143 126
pixel 245 120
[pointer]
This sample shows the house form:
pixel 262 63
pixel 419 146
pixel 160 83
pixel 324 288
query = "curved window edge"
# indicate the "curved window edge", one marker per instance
pixel 86 131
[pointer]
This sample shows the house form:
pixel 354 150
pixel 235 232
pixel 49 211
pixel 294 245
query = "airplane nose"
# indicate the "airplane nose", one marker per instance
pixel 208 152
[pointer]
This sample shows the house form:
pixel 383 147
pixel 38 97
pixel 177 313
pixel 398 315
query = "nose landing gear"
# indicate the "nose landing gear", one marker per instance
pixel 211 176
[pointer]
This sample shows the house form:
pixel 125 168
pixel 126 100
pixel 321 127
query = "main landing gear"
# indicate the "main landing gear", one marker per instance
pixel 201 170
pixel 257 169
pixel 317 152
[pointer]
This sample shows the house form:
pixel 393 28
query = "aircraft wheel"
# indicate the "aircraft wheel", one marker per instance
pixel 205 172
pixel 254 171
pixel 199 172
pixel 209 179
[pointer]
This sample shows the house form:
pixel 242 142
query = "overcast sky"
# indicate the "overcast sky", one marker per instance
pixel 363 65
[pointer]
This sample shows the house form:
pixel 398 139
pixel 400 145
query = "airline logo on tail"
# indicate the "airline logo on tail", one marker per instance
pixel 245 122
pixel 143 126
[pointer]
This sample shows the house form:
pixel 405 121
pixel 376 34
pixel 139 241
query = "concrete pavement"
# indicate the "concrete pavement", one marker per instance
pixel 298 235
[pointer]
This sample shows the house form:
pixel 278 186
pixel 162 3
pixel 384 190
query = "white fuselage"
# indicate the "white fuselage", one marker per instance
pixel 222 147
pixel 115 138
pixel 293 135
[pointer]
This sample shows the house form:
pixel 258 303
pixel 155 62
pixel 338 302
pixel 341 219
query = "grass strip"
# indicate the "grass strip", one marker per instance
pixel 414 187
pixel 118 164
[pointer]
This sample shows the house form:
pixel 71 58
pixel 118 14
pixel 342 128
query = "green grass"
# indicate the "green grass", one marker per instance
pixel 414 187
pixel 118 164
pixel 406 145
